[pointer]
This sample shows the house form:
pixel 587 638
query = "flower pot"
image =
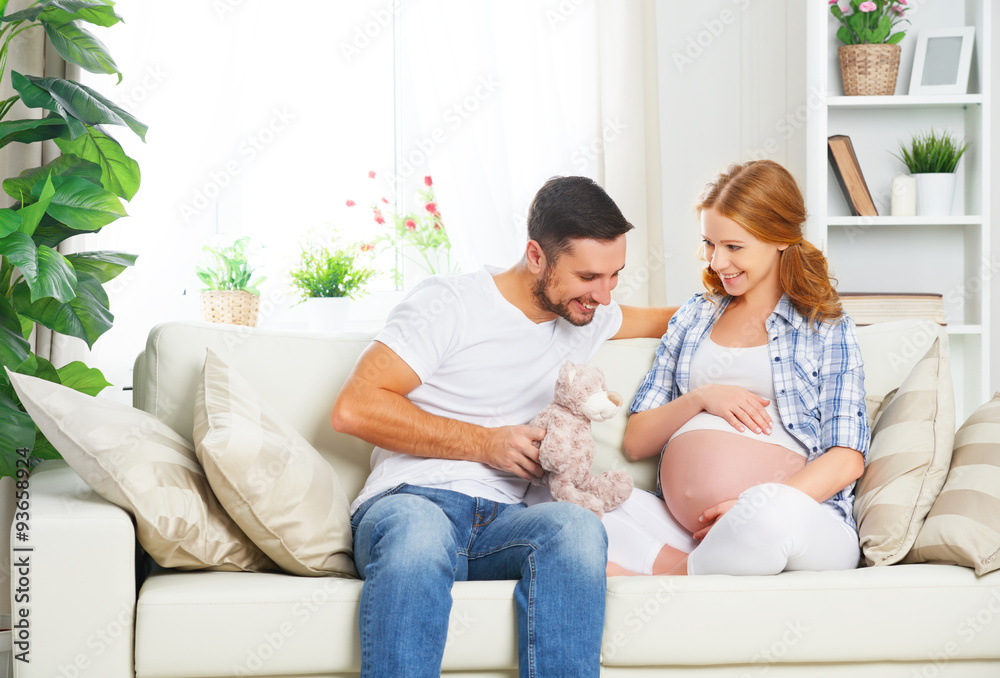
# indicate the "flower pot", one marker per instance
pixel 935 194
pixel 231 307
pixel 869 69
pixel 328 314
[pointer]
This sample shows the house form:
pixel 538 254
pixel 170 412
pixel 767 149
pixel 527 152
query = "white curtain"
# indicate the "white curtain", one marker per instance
pixel 500 96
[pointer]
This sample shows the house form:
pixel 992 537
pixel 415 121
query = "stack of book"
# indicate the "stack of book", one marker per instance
pixel 867 308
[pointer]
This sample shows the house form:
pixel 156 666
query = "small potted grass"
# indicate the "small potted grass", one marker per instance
pixel 328 277
pixel 932 159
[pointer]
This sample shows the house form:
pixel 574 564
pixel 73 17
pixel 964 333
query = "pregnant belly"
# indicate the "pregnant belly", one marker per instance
pixel 703 468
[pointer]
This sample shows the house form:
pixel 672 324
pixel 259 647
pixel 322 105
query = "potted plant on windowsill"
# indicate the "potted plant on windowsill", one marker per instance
pixel 328 278
pixel 869 55
pixel 932 160
pixel 230 296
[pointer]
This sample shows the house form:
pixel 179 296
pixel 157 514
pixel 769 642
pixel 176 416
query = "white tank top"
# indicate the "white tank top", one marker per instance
pixel 746 367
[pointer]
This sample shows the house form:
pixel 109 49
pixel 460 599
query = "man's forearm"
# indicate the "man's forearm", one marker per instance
pixel 391 421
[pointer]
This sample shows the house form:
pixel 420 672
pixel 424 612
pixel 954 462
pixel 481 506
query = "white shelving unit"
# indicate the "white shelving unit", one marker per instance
pixel 944 255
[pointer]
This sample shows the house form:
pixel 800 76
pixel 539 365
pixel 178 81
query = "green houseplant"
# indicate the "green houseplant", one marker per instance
pixel 81 191
pixel 932 159
pixel 327 278
pixel 230 295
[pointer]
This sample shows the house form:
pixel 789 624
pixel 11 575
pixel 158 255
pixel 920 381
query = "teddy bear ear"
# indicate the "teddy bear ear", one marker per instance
pixel 571 375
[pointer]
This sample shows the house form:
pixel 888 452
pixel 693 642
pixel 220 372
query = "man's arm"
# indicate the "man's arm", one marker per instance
pixel 372 405
pixel 642 321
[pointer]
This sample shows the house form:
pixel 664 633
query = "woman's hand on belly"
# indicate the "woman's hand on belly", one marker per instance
pixel 735 404
pixel 711 516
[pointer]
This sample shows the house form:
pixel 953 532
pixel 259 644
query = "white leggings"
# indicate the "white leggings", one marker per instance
pixel 772 528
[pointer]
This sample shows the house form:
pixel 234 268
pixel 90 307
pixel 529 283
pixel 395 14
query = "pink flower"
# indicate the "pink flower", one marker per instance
pixel 385 201
pixel 379 219
pixel 410 224
pixel 431 207
pixel 833 2
pixel 437 226
pixel 428 182
pixel 867 6
pixel 351 203
pixel 367 247
pixel 371 174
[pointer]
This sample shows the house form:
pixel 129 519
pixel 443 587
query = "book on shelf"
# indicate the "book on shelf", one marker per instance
pixel 868 308
pixel 848 172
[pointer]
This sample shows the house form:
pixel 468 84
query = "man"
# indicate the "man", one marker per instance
pixel 444 392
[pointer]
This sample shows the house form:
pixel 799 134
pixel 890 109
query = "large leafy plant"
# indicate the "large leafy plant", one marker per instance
pixel 81 191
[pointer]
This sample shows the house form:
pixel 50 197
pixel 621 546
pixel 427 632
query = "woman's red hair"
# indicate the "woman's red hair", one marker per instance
pixel 762 197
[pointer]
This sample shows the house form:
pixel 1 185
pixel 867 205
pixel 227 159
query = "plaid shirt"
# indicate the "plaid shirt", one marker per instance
pixel 818 377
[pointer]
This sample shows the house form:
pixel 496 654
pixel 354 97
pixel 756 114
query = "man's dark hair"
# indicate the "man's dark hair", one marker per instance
pixel 572 208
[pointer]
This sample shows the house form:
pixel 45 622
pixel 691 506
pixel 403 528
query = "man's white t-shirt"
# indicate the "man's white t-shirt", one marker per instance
pixel 482 361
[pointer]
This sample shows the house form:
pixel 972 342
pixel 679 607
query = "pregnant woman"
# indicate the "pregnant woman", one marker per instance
pixel 755 403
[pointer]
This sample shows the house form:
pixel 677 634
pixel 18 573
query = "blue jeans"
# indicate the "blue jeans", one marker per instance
pixel 412 543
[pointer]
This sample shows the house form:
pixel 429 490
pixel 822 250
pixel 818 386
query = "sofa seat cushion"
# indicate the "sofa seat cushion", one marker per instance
pixel 898 613
pixel 189 625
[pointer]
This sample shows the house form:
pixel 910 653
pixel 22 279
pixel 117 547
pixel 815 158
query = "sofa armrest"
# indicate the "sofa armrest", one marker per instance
pixel 73 589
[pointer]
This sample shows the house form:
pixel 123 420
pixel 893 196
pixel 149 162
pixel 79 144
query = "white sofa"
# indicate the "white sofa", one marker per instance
pixel 86 618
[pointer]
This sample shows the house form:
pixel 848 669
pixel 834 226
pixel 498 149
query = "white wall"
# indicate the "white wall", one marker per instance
pixel 732 88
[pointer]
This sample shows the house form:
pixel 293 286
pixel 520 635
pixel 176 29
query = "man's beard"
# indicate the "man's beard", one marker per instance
pixel 540 291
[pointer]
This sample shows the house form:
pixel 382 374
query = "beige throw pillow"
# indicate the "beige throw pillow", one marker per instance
pixel 134 460
pixel 963 527
pixel 907 461
pixel 279 489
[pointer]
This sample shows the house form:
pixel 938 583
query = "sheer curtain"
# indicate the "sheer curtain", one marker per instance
pixel 497 97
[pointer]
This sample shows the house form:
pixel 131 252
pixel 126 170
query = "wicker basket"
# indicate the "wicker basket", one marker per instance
pixel 231 307
pixel 869 69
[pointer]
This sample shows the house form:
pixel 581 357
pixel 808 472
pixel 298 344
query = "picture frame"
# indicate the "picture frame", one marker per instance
pixel 942 61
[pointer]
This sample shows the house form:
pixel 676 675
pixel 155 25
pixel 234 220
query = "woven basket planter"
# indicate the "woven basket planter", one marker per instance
pixel 869 69
pixel 230 307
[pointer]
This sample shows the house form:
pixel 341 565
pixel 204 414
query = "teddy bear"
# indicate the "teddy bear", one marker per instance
pixel 567 450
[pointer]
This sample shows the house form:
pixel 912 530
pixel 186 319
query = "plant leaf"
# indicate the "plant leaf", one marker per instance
pixel 14 348
pixel 79 46
pixel 77 104
pixel 47 272
pixel 86 316
pixel 65 165
pixel 10 221
pixel 30 131
pixel 119 173
pixel 102 265
pixel 83 204
pixel 61 11
pixel 79 377
pixel 17 431
pixel 31 215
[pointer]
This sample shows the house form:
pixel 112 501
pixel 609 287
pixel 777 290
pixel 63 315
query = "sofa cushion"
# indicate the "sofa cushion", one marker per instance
pixel 278 625
pixel 795 619
pixel 908 459
pixel 276 487
pixel 963 526
pixel 134 460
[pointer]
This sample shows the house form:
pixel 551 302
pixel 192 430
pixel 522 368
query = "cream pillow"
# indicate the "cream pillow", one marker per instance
pixel 963 527
pixel 134 460
pixel 907 461
pixel 279 489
